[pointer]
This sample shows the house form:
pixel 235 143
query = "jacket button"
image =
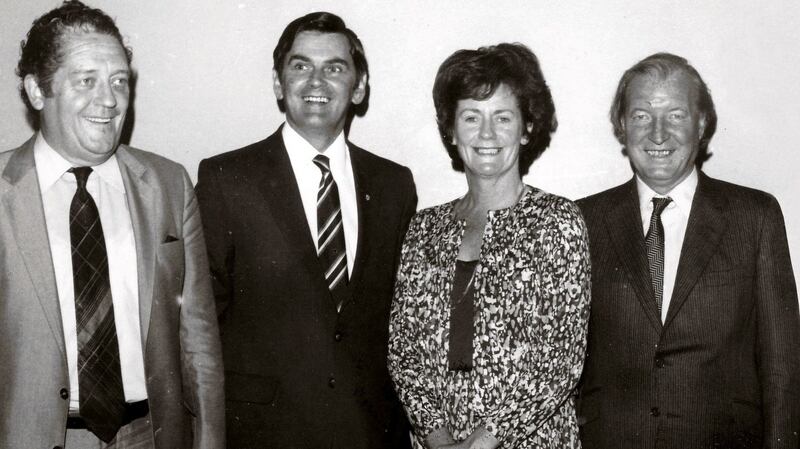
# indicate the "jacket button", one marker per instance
pixel 659 363
pixel 655 412
pixel 337 336
pixel 63 393
pixel 332 382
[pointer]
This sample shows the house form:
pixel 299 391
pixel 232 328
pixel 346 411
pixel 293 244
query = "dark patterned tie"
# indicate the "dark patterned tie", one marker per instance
pixel 654 241
pixel 330 233
pixel 102 399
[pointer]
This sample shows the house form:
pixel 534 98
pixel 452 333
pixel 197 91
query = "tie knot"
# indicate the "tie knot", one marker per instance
pixel 322 162
pixel 81 175
pixel 659 204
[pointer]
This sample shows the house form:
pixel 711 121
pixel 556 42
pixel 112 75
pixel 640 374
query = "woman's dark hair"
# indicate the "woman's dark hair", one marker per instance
pixel 41 52
pixel 476 74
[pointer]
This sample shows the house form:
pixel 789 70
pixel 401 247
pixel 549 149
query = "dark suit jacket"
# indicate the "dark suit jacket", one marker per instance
pixel 724 369
pixel 299 374
pixel 180 339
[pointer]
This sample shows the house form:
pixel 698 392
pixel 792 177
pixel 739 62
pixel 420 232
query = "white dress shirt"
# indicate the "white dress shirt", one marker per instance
pixel 308 175
pixel 675 217
pixel 105 184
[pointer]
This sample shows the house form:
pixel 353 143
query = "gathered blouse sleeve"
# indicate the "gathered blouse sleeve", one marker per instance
pixel 414 382
pixel 561 312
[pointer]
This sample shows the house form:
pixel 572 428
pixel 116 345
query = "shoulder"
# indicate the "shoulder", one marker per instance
pixel 150 160
pixel 378 166
pixel 738 197
pixel 245 156
pixel 604 198
pixel 432 219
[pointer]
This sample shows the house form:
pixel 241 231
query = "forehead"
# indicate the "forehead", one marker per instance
pixel 322 46
pixel 676 89
pixel 502 98
pixel 85 50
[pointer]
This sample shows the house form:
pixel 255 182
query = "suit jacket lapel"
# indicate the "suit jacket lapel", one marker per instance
pixel 625 229
pixel 707 222
pixel 144 216
pixel 278 186
pixel 23 202
pixel 366 199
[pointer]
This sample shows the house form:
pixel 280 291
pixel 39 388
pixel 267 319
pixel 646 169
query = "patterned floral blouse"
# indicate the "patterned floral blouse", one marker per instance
pixel 532 287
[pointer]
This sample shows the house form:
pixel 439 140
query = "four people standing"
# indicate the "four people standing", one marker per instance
pixel 303 232
pixel 694 334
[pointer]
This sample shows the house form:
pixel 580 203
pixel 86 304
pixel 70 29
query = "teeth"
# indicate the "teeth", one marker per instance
pixel 98 120
pixel 322 100
pixel 659 153
pixel 488 151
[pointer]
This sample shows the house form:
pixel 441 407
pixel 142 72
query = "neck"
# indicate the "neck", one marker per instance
pixel 485 194
pixel 320 139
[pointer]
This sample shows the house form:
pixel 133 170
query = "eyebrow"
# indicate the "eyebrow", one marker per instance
pixel 327 61
pixel 499 111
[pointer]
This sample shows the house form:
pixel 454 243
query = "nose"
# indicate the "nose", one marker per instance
pixel 315 78
pixel 105 95
pixel 487 129
pixel 658 134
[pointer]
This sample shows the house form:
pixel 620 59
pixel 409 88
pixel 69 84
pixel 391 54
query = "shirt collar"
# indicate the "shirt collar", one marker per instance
pixel 50 166
pixel 298 147
pixel 682 194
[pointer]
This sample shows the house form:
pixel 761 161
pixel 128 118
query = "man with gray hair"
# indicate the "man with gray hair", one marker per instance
pixel 694 335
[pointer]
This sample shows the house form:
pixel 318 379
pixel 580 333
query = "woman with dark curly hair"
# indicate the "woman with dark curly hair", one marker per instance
pixel 488 323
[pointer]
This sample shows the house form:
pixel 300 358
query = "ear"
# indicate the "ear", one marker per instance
pixel 360 91
pixel 701 126
pixel 526 135
pixel 276 85
pixel 34 91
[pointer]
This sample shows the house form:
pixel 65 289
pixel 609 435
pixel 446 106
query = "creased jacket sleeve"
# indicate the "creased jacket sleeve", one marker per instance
pixel 531 397
pixel 199 335
pixel 415 384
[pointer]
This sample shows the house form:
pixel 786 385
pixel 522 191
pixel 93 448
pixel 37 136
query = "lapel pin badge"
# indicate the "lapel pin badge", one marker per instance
pixel 366 197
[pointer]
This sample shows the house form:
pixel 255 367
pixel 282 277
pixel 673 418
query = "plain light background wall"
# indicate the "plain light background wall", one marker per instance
pixel 205 84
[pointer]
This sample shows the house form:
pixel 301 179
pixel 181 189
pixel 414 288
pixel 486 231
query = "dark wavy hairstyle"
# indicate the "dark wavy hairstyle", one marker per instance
pixel 321 22
pixel 662 65
pixel 476 74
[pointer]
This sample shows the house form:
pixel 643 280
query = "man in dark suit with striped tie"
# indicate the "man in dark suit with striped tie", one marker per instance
pixel 694 336
pixel 304 230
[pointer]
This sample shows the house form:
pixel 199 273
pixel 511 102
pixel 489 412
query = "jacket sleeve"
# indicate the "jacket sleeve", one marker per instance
pixel 778 333
pixel 201 353
pixel 413 381
pixel 532 396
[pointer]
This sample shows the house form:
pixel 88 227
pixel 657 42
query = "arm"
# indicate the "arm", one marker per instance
pixel 415 385
pixel 200 346
pixel 535 395
pixel 218 236
pixel 778 333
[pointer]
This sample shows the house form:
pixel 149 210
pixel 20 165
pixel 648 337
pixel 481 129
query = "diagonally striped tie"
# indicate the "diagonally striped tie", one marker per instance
pixel 654 241
pixel 102 399
pixel 330 233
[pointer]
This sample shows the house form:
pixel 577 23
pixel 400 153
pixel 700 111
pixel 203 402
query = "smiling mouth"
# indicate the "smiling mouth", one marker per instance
pixel 316 100
pixel 659 153
pixel 99 120
pixel 487 151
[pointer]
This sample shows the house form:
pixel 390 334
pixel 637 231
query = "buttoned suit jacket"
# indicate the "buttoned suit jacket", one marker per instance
pixel 299 374
pixel 180 339
pixel 722 371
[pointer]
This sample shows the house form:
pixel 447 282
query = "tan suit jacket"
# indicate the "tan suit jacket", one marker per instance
pixel 183 364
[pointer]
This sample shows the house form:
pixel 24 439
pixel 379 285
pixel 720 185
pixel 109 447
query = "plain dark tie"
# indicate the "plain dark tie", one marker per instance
pixel 102 399
pixel 654 241
pixel 330 233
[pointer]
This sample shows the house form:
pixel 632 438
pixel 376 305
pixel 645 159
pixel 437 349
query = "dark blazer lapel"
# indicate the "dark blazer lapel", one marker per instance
pixel 366 199
pixel 707 222
pixel 22 203
pixel 624 225
pixel 144 219
pixel 278 185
